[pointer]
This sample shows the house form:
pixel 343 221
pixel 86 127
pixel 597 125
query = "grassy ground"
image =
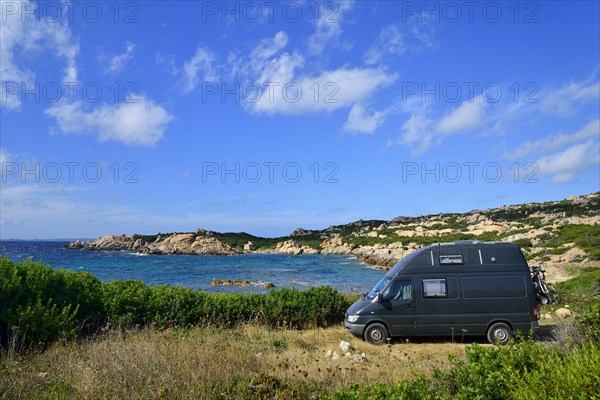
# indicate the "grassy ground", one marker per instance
pixel 254 361
pixel 210 363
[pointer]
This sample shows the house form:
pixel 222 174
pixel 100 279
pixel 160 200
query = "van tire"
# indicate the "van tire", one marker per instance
pixel 376 334
pixel 499 333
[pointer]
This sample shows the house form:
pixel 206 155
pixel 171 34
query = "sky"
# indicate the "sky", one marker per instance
pixel 155 116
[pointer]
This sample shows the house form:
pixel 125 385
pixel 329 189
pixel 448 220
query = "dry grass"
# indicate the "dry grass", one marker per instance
pixel 211 363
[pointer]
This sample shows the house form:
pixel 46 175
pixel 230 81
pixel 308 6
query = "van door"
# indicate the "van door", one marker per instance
pixel 398 307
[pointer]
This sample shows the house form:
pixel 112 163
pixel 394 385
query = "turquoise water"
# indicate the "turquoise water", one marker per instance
pixel 347 274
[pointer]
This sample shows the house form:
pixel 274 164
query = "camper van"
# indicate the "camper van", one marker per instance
pixel 463 288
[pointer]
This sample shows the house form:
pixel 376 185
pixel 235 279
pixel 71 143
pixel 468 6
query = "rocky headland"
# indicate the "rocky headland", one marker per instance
pixel 555 232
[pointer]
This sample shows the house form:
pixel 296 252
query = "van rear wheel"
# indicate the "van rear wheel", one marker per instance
pixel 499 333
pixel 376 334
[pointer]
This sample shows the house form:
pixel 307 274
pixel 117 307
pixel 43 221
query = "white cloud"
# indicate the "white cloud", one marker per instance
pixel 329 91
pixel 389 42
pixel 552 142
pixel 328 27
pixel 201 62
pixel 359 121
pixel 468 116
pixel 565 164
pixel 142 123
pixel 422 132
pixel 273 82
pixel 564 101
pixel 417 133
pixel 117 62
pixel 32 37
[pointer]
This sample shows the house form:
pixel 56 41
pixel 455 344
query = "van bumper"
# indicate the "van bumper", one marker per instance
pixel 355 329
pixel 535 326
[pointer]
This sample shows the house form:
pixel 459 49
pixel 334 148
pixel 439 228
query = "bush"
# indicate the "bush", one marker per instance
pixel 40 305
pixel 524 370
pixel 591 319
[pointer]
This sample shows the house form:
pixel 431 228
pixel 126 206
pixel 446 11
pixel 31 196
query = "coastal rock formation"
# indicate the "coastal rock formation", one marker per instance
pixel 555 232
pixel 241 282
pixel 290 247
pixel 178 243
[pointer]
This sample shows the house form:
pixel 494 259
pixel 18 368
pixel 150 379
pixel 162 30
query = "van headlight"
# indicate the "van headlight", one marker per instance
pixel 352 318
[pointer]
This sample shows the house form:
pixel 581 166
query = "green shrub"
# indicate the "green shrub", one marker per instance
pixel 40 305
pixel 591 318
pixel 520 370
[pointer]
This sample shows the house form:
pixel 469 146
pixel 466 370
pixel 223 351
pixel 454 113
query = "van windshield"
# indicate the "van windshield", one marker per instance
pixel 379 287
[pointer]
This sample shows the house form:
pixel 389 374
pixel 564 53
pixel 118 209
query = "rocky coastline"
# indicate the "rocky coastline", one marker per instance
pixel 542 230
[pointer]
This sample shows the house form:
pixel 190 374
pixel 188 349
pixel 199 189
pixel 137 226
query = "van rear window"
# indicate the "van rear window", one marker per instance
pixel 434 288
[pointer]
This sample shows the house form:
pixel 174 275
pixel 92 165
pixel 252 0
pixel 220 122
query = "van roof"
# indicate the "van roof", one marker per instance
pixel 462 254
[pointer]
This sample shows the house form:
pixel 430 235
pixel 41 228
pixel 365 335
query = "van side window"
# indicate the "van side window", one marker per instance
pixel 401 290
pixel 434 288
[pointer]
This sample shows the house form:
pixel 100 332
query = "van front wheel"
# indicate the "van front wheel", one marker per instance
pixel 376 334
pixel 499 333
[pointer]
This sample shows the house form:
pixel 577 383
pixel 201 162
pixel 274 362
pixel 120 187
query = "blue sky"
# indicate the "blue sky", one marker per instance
pixel 151 116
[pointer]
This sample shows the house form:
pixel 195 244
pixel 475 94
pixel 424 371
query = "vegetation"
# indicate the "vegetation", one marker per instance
pixel 41 305
pixel 524 370
pixel 254 362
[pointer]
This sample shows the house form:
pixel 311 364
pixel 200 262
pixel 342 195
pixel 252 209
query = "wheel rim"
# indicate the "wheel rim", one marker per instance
pixel 376 335
pixel 500 334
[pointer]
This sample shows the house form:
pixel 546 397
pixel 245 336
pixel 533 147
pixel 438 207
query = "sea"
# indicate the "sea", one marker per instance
pixel 345 273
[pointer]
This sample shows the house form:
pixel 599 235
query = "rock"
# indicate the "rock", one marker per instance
pixel 290 247
pixel 547 316
pixel 563 312
pixel 137 245
pixel 301 232
pixel 241 282
pixel 332 354
pixel 345 346
pixel 573 255
pixel 359 358
pixel 249 246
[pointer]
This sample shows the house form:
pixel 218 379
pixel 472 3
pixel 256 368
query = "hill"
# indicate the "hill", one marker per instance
pixel 565 231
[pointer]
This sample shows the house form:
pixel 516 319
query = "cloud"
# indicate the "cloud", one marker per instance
pixel 564 101
pixel 141 123
pixel 328 27
pixel 565 164
pixel 117 62
pixel 417 133
pixel 329 91
pixel 273 81
pixel 389 42
pixel 468 116
pixel 552 142
pixel 422 132
pixel 201 62
pixel 359 121
pixel 32 37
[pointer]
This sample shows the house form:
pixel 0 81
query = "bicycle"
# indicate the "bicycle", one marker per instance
pixel 546 292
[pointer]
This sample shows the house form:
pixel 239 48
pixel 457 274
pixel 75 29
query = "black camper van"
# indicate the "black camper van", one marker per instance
pixel 450 289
